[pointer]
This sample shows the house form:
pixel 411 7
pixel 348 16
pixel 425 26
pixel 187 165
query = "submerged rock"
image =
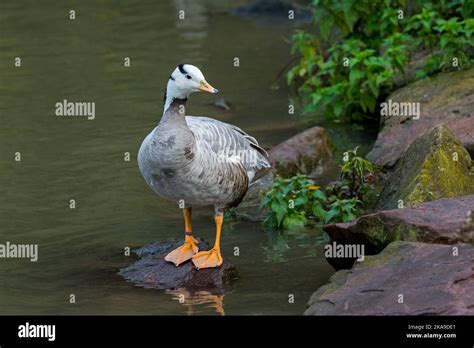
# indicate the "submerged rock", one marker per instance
pixel 432 279
pixel 152 271
pixel 222 103
pixel 446 99
pixel 435 166
pixel 307 152
pixel 273 8
pixel 445 221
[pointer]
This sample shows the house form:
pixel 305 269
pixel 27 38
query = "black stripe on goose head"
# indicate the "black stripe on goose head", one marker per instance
pixel 181 69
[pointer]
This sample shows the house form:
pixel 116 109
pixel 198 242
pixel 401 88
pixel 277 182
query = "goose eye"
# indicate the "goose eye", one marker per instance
pixel 188 77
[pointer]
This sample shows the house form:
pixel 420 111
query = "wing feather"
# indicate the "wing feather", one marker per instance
pixel 231 142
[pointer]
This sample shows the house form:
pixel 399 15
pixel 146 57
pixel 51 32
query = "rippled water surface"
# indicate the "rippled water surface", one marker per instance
pixel 81 249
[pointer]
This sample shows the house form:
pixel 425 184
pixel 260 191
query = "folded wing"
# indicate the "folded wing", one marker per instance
pixel 231 144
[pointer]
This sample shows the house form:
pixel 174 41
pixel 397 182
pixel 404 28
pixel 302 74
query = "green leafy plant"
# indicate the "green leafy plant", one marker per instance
pixel 357 173
pixel 289 200
pixel 344 210
pixel 333 209
pixel 297 201
pixel 345 75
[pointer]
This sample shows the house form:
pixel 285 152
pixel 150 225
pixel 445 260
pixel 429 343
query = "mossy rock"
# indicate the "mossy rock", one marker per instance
pixel 444 221
pixel 447 98
pixel 435 166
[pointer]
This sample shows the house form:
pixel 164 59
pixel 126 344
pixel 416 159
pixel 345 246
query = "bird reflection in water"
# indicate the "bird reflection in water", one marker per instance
pixel 196 300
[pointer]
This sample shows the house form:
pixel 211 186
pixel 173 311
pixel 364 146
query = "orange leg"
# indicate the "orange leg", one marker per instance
pixel 211 258
pixel 190 246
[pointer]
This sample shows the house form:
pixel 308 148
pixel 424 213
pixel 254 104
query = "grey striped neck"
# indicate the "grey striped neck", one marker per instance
pixel 175 111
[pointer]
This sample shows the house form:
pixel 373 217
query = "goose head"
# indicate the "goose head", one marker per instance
pixel 183 81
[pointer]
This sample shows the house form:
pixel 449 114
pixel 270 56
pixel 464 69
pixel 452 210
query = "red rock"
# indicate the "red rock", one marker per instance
pixel 430 277
pixel 431 222
pixel 447 99
pixel 306 152
pixel 440 221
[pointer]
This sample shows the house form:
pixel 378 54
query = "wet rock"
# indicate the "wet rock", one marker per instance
pixel 434 279
pixel 307 152
pixel 222 103
pixel 446 99
pixel 152 271
pixel 435 166
pixel 445 221
pixel 273 8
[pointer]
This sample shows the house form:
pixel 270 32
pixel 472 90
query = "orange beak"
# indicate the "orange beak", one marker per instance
pixel 206 87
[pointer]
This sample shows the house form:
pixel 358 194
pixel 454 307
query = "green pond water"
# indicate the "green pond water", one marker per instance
pixel 64 158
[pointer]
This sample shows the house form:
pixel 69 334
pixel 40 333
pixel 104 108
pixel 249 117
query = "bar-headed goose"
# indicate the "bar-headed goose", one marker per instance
pixel 198 161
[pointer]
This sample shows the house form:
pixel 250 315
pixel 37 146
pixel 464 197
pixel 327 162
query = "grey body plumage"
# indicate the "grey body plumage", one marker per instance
pixel 200 160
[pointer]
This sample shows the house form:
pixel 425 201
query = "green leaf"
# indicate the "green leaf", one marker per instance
pixel 348 217
pixel 290 76
pixel 420 74
pixel 373 87
pixel 279 210
pixel 355 75
pixel 265 200
pixel 294 221
pixel 302 200
pixel 319 212
pixel 401 62
pixel 337 109
pixel 350 18
pixel 330 215
pixel 325 26
pixel 319 195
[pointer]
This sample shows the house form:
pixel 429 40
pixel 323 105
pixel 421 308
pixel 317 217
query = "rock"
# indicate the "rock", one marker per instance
pixel 273 8
pixel 446 99
pixel 307 152
pixel 466 234
pixel 417 62
pixel 152 271
pixel 428 171
pixel 431 278
pixel 222 103
pixel 445 221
